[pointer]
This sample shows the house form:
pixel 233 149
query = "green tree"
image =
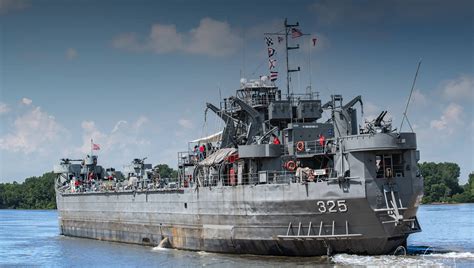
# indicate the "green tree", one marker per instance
pixel 166 172
pixel 467 196
pixel 439 191
pixel 33 193
pixel 441 182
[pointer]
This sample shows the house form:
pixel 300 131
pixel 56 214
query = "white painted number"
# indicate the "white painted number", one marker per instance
pixel 321 206
pixel 332 206
pixel 341 204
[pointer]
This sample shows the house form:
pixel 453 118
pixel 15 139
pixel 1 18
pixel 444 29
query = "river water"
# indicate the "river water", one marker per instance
pixel 30 237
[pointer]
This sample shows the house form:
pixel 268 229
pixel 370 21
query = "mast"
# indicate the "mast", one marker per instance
pixel 288 28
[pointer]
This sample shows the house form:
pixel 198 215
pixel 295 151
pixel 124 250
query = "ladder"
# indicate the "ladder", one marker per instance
pixel 319 235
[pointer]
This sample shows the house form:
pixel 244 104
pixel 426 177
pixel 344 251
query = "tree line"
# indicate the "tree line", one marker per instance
pixel 441 184
pixel 33 193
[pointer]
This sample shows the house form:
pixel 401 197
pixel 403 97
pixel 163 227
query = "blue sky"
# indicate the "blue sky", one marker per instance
pixel 135 75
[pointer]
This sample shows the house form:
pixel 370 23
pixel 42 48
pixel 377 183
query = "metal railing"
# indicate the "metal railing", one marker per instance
pixel 263 177
pixel 266 177
pixel 188 158
pixel 203 180
pixel 81 185
pixel 230 107
pixel 316 175
pixel 310 147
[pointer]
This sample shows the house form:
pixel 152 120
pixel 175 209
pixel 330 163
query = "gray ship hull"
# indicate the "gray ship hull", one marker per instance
pixel 264 219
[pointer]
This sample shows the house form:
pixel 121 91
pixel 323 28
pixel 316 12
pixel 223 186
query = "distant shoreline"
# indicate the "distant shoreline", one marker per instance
pixel 445 203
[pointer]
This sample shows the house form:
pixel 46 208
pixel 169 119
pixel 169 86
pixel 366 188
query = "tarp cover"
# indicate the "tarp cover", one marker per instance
pixel 217 157
pixel 212 138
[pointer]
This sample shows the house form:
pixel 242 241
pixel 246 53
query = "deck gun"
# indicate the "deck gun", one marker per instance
pixel 378 121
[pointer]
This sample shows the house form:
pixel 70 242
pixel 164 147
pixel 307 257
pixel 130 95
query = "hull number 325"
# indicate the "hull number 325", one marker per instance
pixel 332 206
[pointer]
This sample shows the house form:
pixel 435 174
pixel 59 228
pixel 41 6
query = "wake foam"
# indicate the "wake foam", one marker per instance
pixel 159 248
pixel 453 255
pixel 434 259
pixel 384 260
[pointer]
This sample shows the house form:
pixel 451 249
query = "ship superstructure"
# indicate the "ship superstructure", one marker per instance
pixel 276 180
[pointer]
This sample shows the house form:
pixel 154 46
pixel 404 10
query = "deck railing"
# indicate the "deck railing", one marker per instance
pixel 314 147
pixel 188 158
pixel 265 177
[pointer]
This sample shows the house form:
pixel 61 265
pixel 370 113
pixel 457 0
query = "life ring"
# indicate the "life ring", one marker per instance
pixel 300 146
pixel 290 165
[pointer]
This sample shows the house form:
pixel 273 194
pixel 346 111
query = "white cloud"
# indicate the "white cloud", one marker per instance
pixel 211 37
pixel 118 125
pixel 141 121
pixel 418 98
pixel 4 108
pixel 122 139
pixel 71 53
pixel 7 6
pixel 461 88
pixel 128 41
pixel 214 38
pixel 26 101
pixel 451 117
pixel 165 39
pixel 371 111
pixel 90 132
pixel 31 132
pixel 186 123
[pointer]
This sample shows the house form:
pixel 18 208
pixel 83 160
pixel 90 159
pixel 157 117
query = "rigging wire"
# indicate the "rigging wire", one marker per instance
pixel 409 98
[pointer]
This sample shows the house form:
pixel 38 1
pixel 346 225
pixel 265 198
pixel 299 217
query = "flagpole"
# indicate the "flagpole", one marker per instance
pixel 92 152
pixel 310 70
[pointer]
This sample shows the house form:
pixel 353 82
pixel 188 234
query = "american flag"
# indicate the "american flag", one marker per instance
pixel 95 146
pixel 295 33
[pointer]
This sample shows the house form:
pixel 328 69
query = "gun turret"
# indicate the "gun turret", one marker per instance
pixel 68 161
pixel 378 121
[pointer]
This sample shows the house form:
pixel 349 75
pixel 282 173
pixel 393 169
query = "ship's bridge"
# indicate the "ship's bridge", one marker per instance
pixel 256 93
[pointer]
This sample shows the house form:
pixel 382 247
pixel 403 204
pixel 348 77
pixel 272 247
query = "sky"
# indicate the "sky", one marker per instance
pixel 134 76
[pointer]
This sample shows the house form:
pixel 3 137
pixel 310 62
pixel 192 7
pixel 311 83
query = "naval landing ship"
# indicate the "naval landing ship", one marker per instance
pixel 277 180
